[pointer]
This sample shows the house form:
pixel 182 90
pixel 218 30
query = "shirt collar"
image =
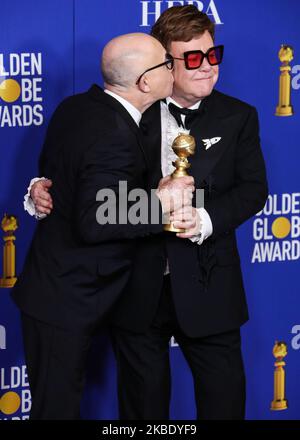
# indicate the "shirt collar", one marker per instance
pixel 133 111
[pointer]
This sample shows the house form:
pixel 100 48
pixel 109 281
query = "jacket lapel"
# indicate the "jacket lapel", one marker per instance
pixel 214 122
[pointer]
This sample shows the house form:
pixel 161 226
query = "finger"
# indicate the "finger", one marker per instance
pixel 186 224
pixel 180 225
pixel 189 187
pixel 43 203
pixel 164 180
pixel 184 213
pixel 44 195
pixel 187 218
pixel 188 180
pixel 177 215
pixel 190 224
pixel 36 191
pixel 42 185
pixel 187 203
pixel 184 235
pixel 42 210
pixel 183 217
pixel 47 183
pixel 183 185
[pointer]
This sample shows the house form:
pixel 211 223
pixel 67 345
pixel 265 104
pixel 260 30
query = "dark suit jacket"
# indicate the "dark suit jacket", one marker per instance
pixel 75 268
pixel 206 279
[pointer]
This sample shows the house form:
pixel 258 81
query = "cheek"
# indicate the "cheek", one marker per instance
pixel 168 77
pixel 168 82
pixel 216 74
pixel 182 77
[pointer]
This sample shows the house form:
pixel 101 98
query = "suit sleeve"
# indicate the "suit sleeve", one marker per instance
pixel 101 211
pixel 250 190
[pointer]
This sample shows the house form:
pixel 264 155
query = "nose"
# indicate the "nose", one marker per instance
pixel 205 65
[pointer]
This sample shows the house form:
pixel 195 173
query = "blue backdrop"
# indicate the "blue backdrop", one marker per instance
pixel 51 49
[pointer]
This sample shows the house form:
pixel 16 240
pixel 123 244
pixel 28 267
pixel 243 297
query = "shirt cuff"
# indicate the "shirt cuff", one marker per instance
pixel 28 203
pixel 206 227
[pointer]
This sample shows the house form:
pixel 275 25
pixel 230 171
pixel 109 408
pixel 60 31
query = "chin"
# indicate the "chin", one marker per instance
pixel 201 90
pixel 203 93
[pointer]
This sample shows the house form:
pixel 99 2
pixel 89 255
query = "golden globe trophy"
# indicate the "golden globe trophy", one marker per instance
pixel 279 352
pixel 9 224
pixel 184 145
pixel 284 108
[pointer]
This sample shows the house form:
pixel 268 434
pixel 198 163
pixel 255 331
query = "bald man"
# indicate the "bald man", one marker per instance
pixel 76 268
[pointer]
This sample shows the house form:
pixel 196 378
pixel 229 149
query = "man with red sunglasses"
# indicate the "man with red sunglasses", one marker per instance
pixel 197 293
pixel 192 289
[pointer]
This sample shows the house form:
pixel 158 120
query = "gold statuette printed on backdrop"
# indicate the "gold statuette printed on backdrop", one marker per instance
pixel 284 108
pixel 279 352
pixel 9 224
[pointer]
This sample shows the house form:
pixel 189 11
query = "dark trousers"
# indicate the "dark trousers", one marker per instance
pixel 144 383
pixel 56 361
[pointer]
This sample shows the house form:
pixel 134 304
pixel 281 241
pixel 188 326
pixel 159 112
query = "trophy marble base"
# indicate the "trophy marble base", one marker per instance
pixel 278 405
pixel 284 111
pixel 8 282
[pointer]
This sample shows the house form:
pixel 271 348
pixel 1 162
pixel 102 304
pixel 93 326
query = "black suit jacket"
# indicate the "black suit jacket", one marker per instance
pixel 75 268
pixel 206 279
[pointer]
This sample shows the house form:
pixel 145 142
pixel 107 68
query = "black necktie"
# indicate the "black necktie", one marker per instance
pixel 190 115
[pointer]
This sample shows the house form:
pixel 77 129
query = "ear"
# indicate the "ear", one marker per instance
pixel 144 85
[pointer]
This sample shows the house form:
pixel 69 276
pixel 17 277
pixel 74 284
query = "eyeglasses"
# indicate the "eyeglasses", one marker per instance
pixel 169 63
pixel 194 58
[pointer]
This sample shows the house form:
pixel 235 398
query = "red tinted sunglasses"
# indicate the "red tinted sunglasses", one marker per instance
pixel 194 58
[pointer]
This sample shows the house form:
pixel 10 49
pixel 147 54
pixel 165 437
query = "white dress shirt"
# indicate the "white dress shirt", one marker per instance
pixel 133 111
pixel 169 131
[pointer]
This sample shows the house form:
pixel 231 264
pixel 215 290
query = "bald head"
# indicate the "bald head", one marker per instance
pixel 124 58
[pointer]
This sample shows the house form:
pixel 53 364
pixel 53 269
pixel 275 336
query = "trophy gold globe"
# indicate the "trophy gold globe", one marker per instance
pixel 279 352
pixel 184 145
pixel 284 108
pixel 9 224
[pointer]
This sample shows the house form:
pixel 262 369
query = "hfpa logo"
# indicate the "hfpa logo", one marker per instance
pixel 151 10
